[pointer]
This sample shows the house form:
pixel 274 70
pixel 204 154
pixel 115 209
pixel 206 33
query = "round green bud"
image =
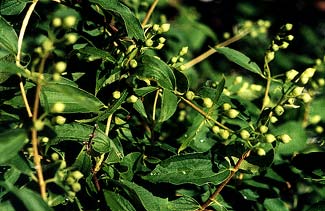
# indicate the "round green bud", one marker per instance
pixel 290 37
pixel 174 59
pixel 244 134
pixel 309 72
pixel 45 139
pixel 224 134
pixel 47 45
pixel 70 180
pixel 263 129
pixel 133 63
pixel 60 66
pixel 306 97
pixel 56 76
pixel 273 119
pixel 226 35
pixel 321 81
pixel 71 194
pixel 69 21
pixel 285 138
pixel 319 129
pixel 269 56
pixel 291 74
pixel 256 87
pixel 279 110
pixel 60 120
pixel 155 27
pixel 215 129
pixel 238 79
pixel 275 47
pixel 183 51
pixel 207 102
pixel 190 95
pixel 77 175
pixel 232 113
pixel 76 187
pixel 71 38
pixel 260 152
pixel 57 22
pixel 130 48
pixel 162 40
pixel 58 107
pixel 181 59
pixel 39 125
pixel 315 119
pixel 226 106
pixel 270 138
pixel 116 94
pixel 288 26
pixel 132 99
pixel 159 46
pixel 149 42
pixel 55 156
pixel 284 45
pixel 165 27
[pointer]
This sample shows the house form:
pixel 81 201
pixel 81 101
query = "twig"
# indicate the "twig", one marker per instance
pixel 211 51
pixel 268 84
pixel 224 183
pixel 155 105
pixel 37 159
pixel 149 13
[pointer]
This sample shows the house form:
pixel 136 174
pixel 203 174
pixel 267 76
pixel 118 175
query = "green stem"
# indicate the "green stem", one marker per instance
pixel 149 13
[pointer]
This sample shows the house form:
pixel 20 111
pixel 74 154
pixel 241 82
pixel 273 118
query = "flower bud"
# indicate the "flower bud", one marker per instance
pixel 290 37
pixel 321 81
pixel 304 79
pixel 275 47
pixel 279 110
pixel 47 45
pixel 260 152
pixel 71 38
pixel 288 26
pixel 319 129
pixel 60 120
pixel 269 56
pixel 284 45
pixel 216 129
pixel 315 119
pixel 244 134
pixel 162 40
pixel 165 27
pixel 263 128
pixel 133 63
pixel 273 119
pixel 116 94
pixel 76 187
pixel 224 134
pixel 39 124
pixel 190 95
pixel 309 72
pixel 207 102
pixel 297 91
pixel 232 113
pixel 183 51
pixel 77 175
pixel 270 138
pixel 69 21
pixel 291 74
pixel 155 27
pixel 56 22
pixel 285 138
pixel 58 107
pixel 55 156
pixel 149 42
pixel 132 99
pixel 226 106
pixel 306 97
pixel 60 67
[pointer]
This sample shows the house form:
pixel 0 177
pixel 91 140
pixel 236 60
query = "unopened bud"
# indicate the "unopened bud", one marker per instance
pixel 232 113
pixel 263 128
pixel 260 152
pixel 183 51
pixel 291 74
pixel 190 95
pixel 270 138
pixel 244 134
pixel 116 94
pixel 207 102
pixel 285 138
pixel 279 110
pixel 58 107
pixel 69 21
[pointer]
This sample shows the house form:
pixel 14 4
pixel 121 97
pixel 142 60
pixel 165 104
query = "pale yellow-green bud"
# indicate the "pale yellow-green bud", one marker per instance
pixel 216 129
pixel 116 94
pixel 70 180
pixel 71 38
pixel 263 128
pixel 57 22
pixel 248 24
pixel 288 26
pixel 160 46
pixel 77 175
pixel 149 42
pixel 256 87
pixel 47 45
pixel 290 37
pixel 284 45
pixel 279 110
pixel 224 134
pixel 39 124
pixel 319 129
pixel 304 79
pixel 132 99
pixel 60 120
pixel 269 56
pixel 285 138
pixel 309 72
pixel 183 51
pixel 56 76
pixel 190 95
pixel 76 187
pixel 207 102
pixel 297 91
pixel 306 97
pixel 275 47
pixel 71 194
pixel 232 113
pixel 238 79
pixel 133 63
pixel 226 35
pixel 260 22
pixel 273 119
pixel 226 106
pixel 321 81
pixel 45 139
pixel 155 27
pixel 291 74
pixel 130 48
pixel 69 21
pixel 60 67
pixel 260 152
pixel 58 107
pixel 55 156
pixel 315 119
pixel 270 138
pixel 244 134
pixel 318 61
pixel 165 27
pixel 63 164
pixel 174 59
pixel 162 40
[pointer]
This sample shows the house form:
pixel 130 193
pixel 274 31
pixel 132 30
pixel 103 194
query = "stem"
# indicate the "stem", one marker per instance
pixel 211 51
pixel 224 183
pixel 155 105
pixel 19 45
pixel 149 13
pixel 206 115
pixel 268 84
pixel 37 159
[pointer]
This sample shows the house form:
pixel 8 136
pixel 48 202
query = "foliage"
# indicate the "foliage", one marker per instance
pixel 105 105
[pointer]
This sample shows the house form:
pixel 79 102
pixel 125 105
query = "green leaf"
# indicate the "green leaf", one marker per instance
pixel 75 99
pixel 29 198
pixel 97 53
pixel 146 198
pixel 183 204
pixel 193 168
pixel 12 7
pixel 8 37
pixel 132 24
pixel 317 107
pixel 240 59
pixel 116 201
pixel 11 141
pixel 83 163
pixel 157 70
pixel 319 206
pixel 144 90
pixel 168 105
pixel 10 68
pixel 19 162
pixel 139 107
pixel 275 204
pixel 248 194
pixel 7 206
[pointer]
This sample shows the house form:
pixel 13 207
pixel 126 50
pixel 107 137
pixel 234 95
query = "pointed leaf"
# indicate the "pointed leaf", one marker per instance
pixel 117 202
pixel 240 59
pixel 8 37
pixel 183 204
pixel 11 141
pixel 190 168
pixel 10 68
pixel 132 24
pixel 75 99
pixel 97 53
pixel 12 7
pixel 168 105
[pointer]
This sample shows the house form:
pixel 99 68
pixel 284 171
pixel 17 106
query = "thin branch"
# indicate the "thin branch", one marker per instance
pixel 268 84
pixel 224 183
pixel 149 13
pixel 211 51
pixel 18 56
pixel 155 105
pixel 37 159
